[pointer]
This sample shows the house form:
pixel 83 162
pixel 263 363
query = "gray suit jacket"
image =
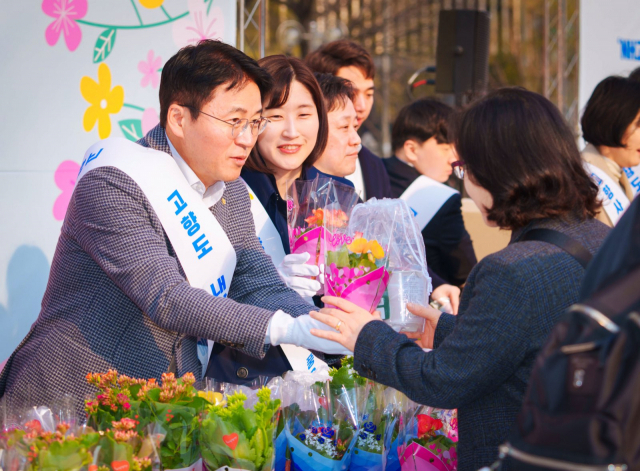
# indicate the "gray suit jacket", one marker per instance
pixel 117 296
pixel 483 356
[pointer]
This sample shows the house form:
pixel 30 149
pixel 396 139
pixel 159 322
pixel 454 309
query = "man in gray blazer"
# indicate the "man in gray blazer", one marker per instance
pixel 117 295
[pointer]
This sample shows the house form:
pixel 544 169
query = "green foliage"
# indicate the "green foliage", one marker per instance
pixel 104 45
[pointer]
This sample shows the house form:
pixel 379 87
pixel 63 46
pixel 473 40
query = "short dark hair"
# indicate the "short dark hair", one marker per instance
pixel 634 76
pixel 420 121
pixel 336 91
pixel 195 71
pixel 330 58
pixel 612 107
pixel 517 146
pixel 284 70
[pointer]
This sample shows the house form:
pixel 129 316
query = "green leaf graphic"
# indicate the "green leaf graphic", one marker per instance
pixel 131 128
pixel 104 45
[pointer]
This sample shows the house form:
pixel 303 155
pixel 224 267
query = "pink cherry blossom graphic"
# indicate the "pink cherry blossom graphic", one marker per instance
pixel 199 25
pixel 65 13
pixel 149 70
pixel 150 120
pixel 65 178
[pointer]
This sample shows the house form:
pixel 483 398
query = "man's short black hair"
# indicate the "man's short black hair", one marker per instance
pixel 335 90
pixel 194 72
pixel 420 121
pixel 330 58
pixel 612 107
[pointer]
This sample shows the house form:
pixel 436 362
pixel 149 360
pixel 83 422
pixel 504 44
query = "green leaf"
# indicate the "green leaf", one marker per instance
pixel 132 130
pixel 104 45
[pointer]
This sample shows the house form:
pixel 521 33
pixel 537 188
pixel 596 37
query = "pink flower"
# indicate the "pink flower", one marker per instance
pixel 65 179
pixel 65 13
pixel 199 24
pixel 149 70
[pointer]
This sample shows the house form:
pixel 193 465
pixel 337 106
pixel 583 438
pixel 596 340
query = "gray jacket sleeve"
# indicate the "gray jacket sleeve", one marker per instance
pixel 116 225
pixel 484 348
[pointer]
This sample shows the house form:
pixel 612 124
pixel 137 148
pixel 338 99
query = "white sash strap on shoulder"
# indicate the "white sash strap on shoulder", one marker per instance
pixel 190 226
pixel 299 358
pixel 614 200
pixel 425 197
pixel 633 175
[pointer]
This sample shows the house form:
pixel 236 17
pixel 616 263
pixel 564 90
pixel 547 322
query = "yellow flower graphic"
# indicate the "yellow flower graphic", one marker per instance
pixel 103 99
pixel 150 4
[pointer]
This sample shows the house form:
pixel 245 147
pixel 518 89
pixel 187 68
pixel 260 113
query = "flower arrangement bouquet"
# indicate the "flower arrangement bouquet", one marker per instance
pixel 170 411
pixel 356 257
pixel 429 440
pixel 312 206
pixel 375 417
pixel 238 436
pixel 33 447
pixel 397 407
pixel 320 424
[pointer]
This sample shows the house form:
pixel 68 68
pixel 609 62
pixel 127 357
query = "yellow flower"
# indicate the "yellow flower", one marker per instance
pixel 214 398
pixel 376 249
pixel 103 99
pixel 150 4
pixel 358 245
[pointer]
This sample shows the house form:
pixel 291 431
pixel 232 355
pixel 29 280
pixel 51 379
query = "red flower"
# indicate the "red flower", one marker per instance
pixel 427 425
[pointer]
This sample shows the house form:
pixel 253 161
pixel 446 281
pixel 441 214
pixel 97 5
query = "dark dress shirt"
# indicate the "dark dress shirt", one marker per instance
pixel 374 175
pixel 230 365
pixel 448 245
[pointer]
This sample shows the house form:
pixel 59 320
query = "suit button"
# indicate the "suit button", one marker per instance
pixel 242 372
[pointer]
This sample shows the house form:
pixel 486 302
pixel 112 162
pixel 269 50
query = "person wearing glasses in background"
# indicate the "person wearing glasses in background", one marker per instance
pixel 286 150
pixel 420 166
pixel 158 247
pixel 533 183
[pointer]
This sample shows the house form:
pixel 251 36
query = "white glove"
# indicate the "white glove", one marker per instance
pixel 293 269
pixel 295 330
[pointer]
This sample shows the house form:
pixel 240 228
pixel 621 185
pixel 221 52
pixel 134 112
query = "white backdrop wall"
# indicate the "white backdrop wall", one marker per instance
pixel 72 72
pixel 609 42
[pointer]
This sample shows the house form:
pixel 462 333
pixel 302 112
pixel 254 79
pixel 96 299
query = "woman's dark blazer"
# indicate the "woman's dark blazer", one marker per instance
pixel 483 357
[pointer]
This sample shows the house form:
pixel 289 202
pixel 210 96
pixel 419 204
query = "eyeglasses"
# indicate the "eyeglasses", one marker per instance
pixel 238 126
pixel 458 168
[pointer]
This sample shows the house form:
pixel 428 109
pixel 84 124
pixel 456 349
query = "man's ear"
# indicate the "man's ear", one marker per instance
pixel 410 147
pixel 176 116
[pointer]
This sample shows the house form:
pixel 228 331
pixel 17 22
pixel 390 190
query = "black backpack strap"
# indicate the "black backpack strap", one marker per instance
pixel 566 243
pixel 619 297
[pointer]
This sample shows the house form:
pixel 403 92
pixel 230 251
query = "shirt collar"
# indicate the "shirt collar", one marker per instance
pixel 210 195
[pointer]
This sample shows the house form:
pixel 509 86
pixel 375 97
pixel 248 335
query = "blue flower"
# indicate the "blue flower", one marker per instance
pixel 320 440
pixel 378 437
pixel 363 436
pixel 328 433
pixel 302 436
pixel 370 427
pixel 314 430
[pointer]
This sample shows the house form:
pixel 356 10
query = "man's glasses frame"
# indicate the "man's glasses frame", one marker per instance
pixel 239 126
pixel 458 169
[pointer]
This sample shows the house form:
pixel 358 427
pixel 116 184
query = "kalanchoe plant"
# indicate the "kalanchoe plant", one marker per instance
pixel 169 409
pixel 237 437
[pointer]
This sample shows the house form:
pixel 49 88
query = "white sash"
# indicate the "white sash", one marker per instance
pixel 299 358
pixel 614 199
pixel 190 226
pixel 633 175
pixel 425 197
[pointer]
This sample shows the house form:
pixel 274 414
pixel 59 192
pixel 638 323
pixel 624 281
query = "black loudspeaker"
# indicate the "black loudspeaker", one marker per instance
pixel 462 55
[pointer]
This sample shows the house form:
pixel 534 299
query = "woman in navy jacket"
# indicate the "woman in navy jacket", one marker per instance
pixel 522 168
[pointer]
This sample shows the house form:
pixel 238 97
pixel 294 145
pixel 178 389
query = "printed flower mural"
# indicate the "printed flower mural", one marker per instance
pixel 65 12
pixel 151 4
pixel 149 70
pixel 204 22
pixel 104 101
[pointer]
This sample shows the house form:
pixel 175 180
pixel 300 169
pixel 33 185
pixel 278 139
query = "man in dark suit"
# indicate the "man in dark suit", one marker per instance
pixel 418 170
pixel 121 292
pixel 351 61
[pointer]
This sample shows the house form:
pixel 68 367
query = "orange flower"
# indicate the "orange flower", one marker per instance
pixel 317 217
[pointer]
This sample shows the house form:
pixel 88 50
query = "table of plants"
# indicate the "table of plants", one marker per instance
pixel 324 421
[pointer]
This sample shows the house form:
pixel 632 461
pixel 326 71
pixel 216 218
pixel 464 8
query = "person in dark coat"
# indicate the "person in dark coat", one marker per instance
pixel 522 167
pixel 418 169
pixel 350 61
